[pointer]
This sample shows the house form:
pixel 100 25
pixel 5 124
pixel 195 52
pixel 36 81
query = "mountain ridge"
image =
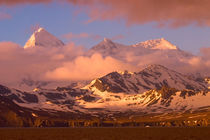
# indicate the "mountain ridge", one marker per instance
pixel 152 77
pixel 161 44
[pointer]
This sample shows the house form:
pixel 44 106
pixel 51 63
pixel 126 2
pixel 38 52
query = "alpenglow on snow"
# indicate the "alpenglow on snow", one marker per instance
pixel 43 38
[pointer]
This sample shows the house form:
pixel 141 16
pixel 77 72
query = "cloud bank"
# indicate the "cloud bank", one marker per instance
pixel 72 36
pixel 87 68
pixel 17 63
pixel 68 63
pixel 173 13
pixel 15 2
pixel 73 63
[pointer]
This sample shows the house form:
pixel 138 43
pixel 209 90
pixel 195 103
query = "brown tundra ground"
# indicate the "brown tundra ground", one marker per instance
pixel 201 133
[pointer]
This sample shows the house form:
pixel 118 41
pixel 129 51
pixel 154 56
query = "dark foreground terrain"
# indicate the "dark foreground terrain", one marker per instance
pixel 105 133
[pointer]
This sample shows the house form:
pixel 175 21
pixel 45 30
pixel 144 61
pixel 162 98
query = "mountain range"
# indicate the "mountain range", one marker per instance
pixel 154 95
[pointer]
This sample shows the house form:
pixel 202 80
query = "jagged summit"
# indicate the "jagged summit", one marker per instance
pixel 161 44
pixel 106 40
pixel 152 77
pixel 43 38
pixel 105 45
pixel 40 29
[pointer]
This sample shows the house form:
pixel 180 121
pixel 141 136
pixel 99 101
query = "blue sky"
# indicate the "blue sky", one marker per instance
pixel 60 19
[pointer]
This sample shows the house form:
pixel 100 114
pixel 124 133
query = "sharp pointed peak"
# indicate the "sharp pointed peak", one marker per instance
pixel 42 37
pixel 107 40
pixel 105 44
pixel 40 29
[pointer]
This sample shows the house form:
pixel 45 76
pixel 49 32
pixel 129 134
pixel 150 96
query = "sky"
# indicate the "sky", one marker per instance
pixel 77 22
pixel 82 24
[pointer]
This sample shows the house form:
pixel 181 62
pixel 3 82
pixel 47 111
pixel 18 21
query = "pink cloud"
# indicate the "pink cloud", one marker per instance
pixel 17 63
pixel 87 68
pixel 15 2
pixel 4 16
pixel 173 13
pixel 117 37
pixel 205 52
pixel 71 36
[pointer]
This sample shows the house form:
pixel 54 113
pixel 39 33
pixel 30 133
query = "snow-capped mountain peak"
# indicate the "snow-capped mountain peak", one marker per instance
pixel 161 44
pixel 107 40
pixel 106 46
pixel 40 29
pixel 43 38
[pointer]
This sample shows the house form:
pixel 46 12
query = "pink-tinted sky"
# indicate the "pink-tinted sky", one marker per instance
pixel 183 22
pixel 82 24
